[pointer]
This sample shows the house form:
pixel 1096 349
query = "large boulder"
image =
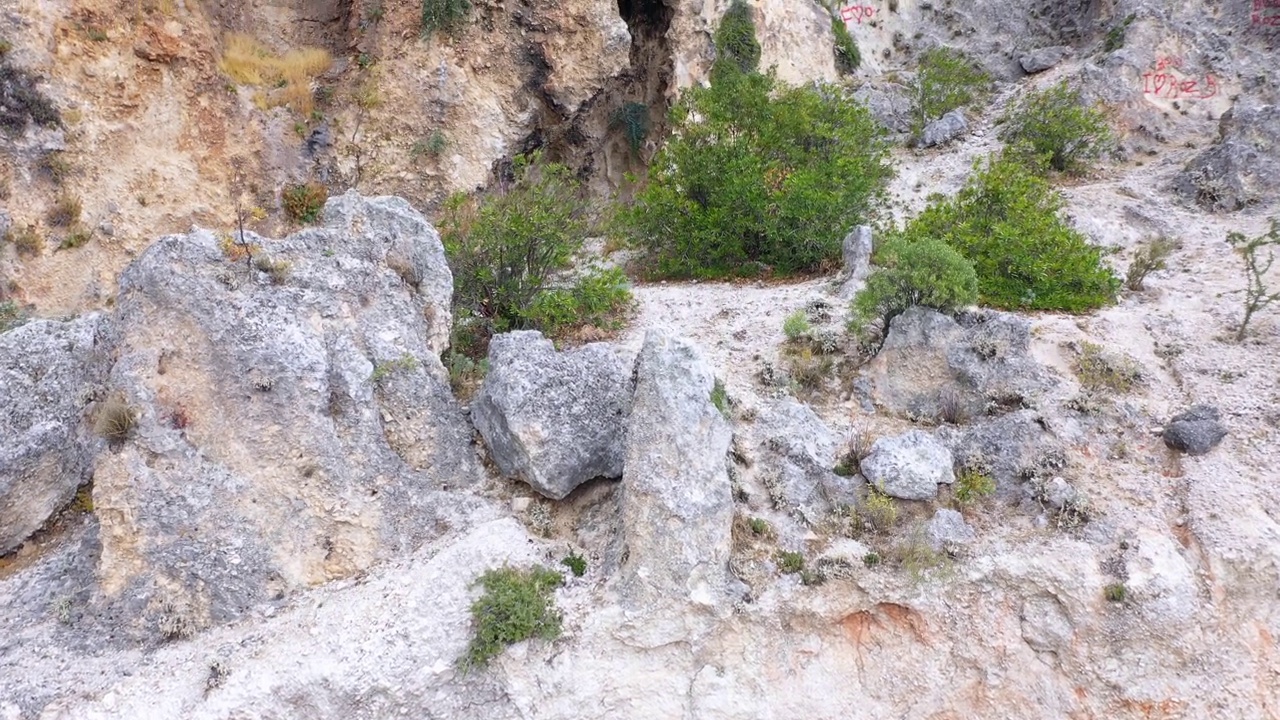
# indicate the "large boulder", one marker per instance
pixel 909 466
pixel 798 453
pixel 1042 59
pixel 554 420
pixel 1196 431
pixel 677 503
pixel 1240 169
pixel 933 367
pixel 294 422
pixel 50 372
pixel 944 129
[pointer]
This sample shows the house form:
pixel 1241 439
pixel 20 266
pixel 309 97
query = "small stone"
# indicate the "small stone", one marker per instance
pixel 909 466
pixel 1196 431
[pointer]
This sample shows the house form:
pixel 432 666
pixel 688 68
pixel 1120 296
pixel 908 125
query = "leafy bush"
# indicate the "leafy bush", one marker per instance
pixel 576 564
pixel 1055 123
pixel 77 235
pixel 735 39
pixel 505 248
pixel 972 484
pixel 846 50
pixel 1005 221
pixel 303 202
pixel 924 272
pixel 445 15
pixel 790 562
pixel 796 327
pixel 1152 256
pixel 517 605
pixel 757 176
pixel 945 80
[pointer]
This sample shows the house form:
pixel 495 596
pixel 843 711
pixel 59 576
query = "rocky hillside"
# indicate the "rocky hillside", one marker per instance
pixel 238 480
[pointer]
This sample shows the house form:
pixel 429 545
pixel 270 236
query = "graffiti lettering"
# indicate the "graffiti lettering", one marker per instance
pixel 1168 62
pixel 1172 87
pixel 856 12
pixel 1261 16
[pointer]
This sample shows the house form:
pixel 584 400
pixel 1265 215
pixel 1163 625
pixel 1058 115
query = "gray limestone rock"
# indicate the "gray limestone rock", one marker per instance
pixel 909 466
pixel 553 419
pixel 677 504
pixel 947 531
pixel 50 372
pixel 944 129
pixel 1012 448
pixel 798 453
pixel 1196 431
pixel 1043 58
pixel 1045 625
pixel 1240 169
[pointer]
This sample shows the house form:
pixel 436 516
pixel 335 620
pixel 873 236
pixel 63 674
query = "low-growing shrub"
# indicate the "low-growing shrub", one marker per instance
pixel 973 484
pixel 443 15
pixel 516 605
pixel 1153 255
pixel 1006 222
pixel 26 239
pixel 1100 370
pixel 65 210
pixel 77 235
pixel 303 202
pixel 923 272
pixel 756 177
pixel 1115 592
pixel 277 270
pixel 790 562
pixel 576 564
pixel 945 80
pixel 846 50
pixel 11 316
pixel 285 79
pixel 1055 123
pixel 599 298
pixel 796 327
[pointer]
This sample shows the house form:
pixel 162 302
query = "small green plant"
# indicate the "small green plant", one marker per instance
pixel 846 50
pixel 1257 296
pixel 303 202
pixel 972 485
pixel 277 270
pixel 877 512
pixel 1055 123
pixel 65 211
pixel 945 80
pixel 720 398
pixel 77 235
pixel 1099 370
pixel 115 420
pixel 913 553
pixel 1151 256
pixel 1115 592
pixel 383 370
pixel 871 559
pixel 432 145
pixel 796 327
pixel 443 15
pixel 924 272
pixel 760 527
pixel 1006 221
pixel 599 298
pixel 809 369
pixel 516 605
pixel 576 564
pixel 790 562
pixel 632 119
pixel 1115 36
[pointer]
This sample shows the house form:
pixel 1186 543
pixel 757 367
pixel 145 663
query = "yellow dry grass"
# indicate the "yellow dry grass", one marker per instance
pixel 287 77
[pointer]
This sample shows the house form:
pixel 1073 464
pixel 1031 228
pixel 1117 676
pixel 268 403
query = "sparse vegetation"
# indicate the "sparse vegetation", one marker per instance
pixel 972 485
pixel 632 119
pixel 1115 592
pixel 945 80
pixel 26 239
pixel 77 235
pixel 1257 296
pixel 796 327
pixel 1055 123
pixel 11 316
pixel 1099 370
pixel 115 420
pixel 465 373
pixel 1115 36
pixel 283 79
pixel 433 145
pixel 384 370
pixel 65 211
pixel 516 605
pixel 846 50
pixel 443 15
pixel 576 564
pixel 277 270
pixel 760 527
pixel 720 398
pixel 55 165
pixel 1153 255
pixel 922 272
pixel 790 562
pixel 21 102
pixel 505 248
pixel 913 553
pixel 756 177
pixel 303 202
pixel 1006 222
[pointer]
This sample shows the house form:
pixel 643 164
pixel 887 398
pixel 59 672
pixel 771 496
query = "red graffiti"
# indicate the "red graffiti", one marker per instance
pixel 1173 87
pixel 856 12
pixel 1168 62
pixel 1261 17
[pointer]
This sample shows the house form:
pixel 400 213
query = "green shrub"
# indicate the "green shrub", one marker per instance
pixel 1115 592
pixel 77 235
pixel 444 15
pixel 1257 295
pixel 517 605
pixel 576 564
pixel 737 49
pixel 972 485
pixel 1153 255
pixel 304 201
pixel 945 80
pixel 599 298
pixel 846 50
pixel 790 562
pixel 1099 370
pixel 1115 36
pixel 1055 123
pixel 796 327
pixel 720 398
pixel 924 272
pixel 757 176
pixel 1005 221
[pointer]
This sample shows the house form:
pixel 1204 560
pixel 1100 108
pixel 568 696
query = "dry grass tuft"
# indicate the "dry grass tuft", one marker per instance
pixel 65 211
pixel 286 78
pixel 115 420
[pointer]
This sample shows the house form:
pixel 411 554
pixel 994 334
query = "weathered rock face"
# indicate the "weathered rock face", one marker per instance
pixel 1239 170
pixel 1043 58
pixel 554 420
pixel 1012 448
pixel 677 504
pixel 944 129
pixel 49 373
pixel 287 433
pixel 933 367
pixel 909 466
pixel 948 531
pixel 798 453
pixel 1196 431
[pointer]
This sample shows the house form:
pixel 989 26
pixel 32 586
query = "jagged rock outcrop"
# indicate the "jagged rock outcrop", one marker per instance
pixel 909 466
pixel 797 454
pixel 1240 169
pixel 50 373
pixel 293 426
pixel 931 366
pixel 553 419
pixel 1042 59
pixel 947 531
pixel 1012 449
pixel 677 504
